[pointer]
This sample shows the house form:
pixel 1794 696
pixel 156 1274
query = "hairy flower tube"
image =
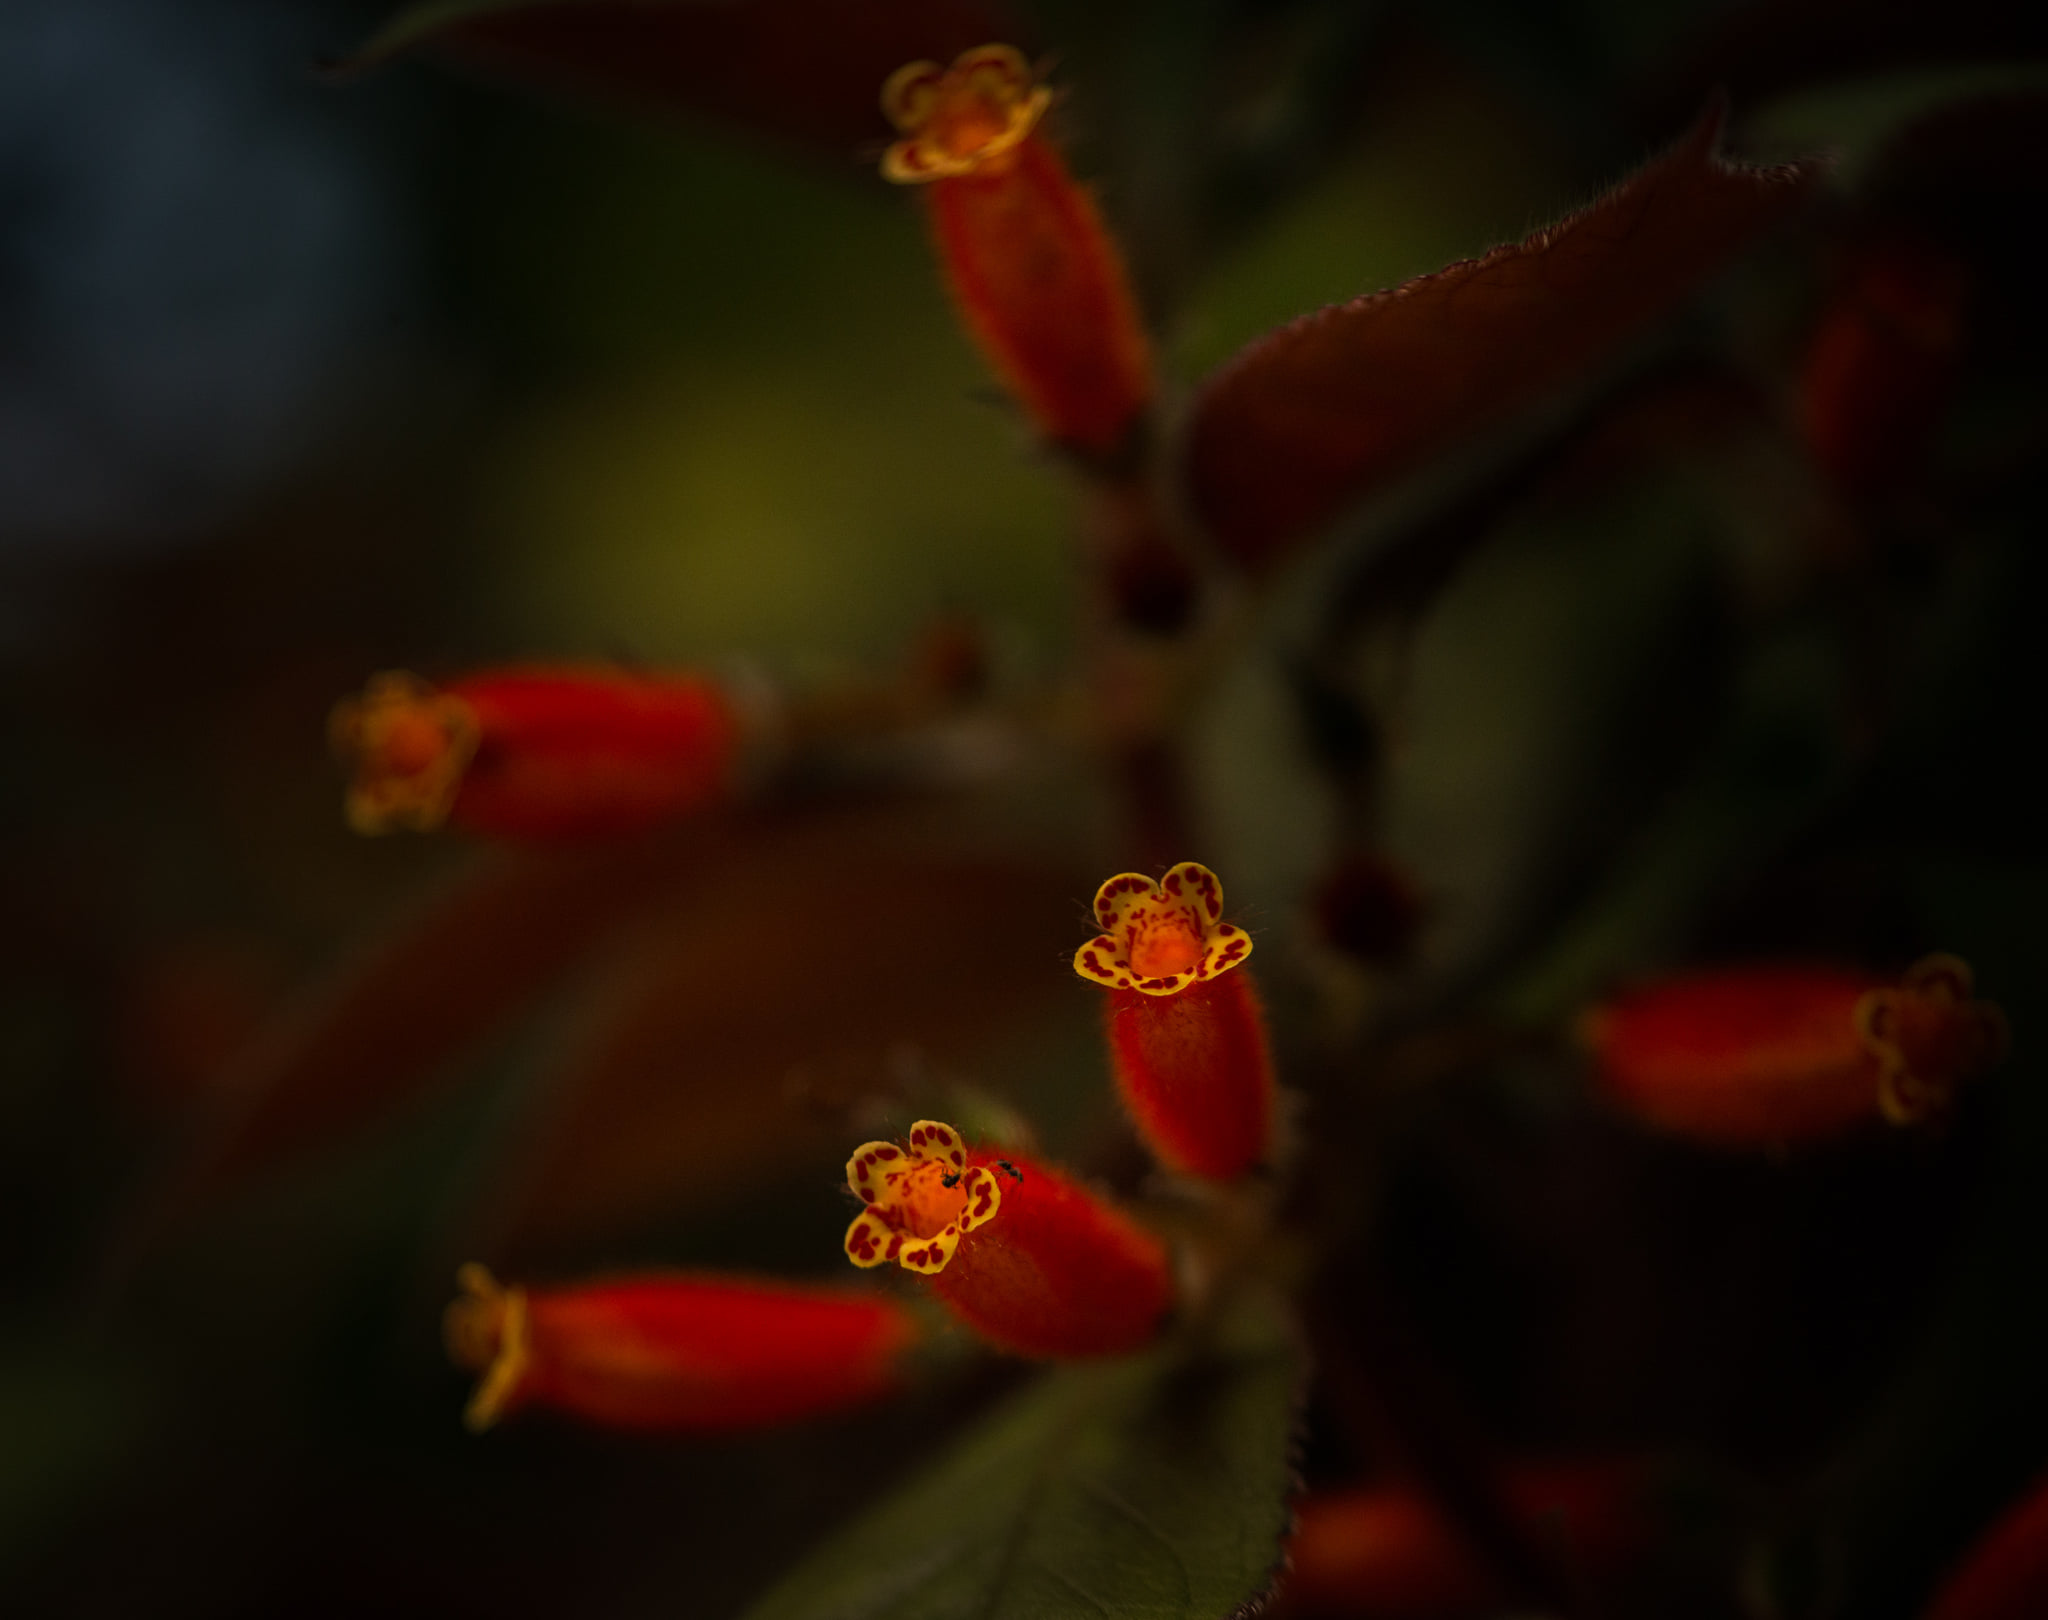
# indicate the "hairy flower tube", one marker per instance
pixel 1186 1035
pixel 1755 1055
pixel 1032 1261
pixel 674 1351
pixel 1038 280
pixel 533 753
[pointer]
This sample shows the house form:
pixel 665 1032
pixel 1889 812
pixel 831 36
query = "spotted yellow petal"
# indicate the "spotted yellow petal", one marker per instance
pixel 926 1256
pixel 875 1171
pixel 1118 894
pixel 984 1192
pixel 870 1241
pixel 1193 882
pixel 1101 959
pixel 933 1139
pixel 1945 977
pixel 1227 946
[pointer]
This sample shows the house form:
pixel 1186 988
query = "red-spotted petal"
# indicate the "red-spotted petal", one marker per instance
pixel 1192 881
pixel 869 1240
pixel 984 1197
pixel 1116 896
pixel 1134 913
pixel 1102 960
pixel 874 1172
pixel 934 1139
pixel 1227 946
pixel 925 1256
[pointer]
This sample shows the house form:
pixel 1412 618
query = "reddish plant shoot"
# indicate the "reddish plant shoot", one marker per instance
pixel 1389 1551
pixel 2004 1576
pixel 1882 364
pixel 1036 276
pixel 1755 1055
pixel 534 754
pixel 1187 1038
pixel 1032 1261
pixel 673 1351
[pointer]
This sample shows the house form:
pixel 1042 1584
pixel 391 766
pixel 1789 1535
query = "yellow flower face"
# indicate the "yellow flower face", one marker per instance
pixel 922 1199
pixel 1928 1036
pixel 408 745
pixel 1159 938
pixel 958 119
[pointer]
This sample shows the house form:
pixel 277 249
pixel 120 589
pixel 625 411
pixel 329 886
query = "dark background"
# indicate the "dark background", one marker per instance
pixel 301 379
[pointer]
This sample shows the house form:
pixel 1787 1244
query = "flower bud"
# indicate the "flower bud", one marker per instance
pixel 673 1351
pixel 1186 1036
pixel 1037 278
pixel 533 753
pixel 1754 1055
pixel 1030 1260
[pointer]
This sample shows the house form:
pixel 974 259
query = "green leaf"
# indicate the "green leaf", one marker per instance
pixel 1153 1487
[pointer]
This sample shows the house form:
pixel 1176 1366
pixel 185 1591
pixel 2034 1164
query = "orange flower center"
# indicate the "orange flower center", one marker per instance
pixel 928 1203
pixel 411 741
pixel 1162 943
pixel 408 746
pixel 961 119
pixel 972 115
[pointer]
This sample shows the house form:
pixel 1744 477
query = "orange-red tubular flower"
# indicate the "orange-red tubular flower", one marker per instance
pixel 533 753
pixel 1388 1551
pixel 2005 1575
pixel 1030 1260
pixel 1040 283
pixel 674 1351
pixel 1186 1034
pixel 1754 1055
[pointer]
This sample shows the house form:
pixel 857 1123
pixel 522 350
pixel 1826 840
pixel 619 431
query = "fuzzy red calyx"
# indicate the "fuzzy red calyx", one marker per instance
pixel 674 1351
pixel 1028 1258
pixel 1792 1052
pixel 534 754
pixel 1037 277
pixel 1187 1038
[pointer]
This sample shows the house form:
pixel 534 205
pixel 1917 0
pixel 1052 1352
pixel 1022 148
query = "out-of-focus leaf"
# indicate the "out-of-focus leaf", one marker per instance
pixel 1772 47
pixel 1859 122
pixel 727 1043
pixel 807 69
pixel 1780 759
pixel 1315 415
pixel 386 1023
pixel 1154 1485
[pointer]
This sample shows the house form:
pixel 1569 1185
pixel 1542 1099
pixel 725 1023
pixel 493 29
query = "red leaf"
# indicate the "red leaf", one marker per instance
pixel 807 69
pixel 387 1023
pixel 809 949
pixel 1313 416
